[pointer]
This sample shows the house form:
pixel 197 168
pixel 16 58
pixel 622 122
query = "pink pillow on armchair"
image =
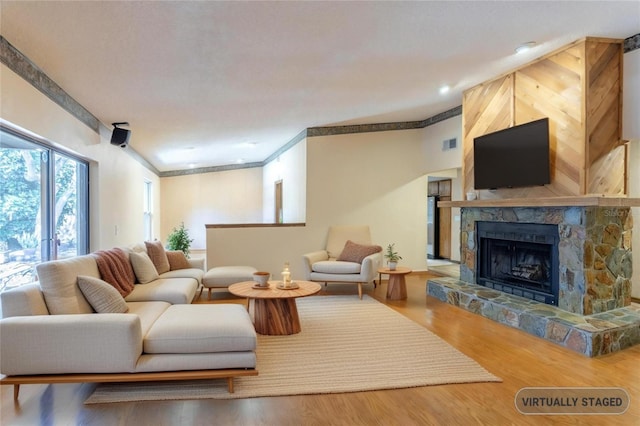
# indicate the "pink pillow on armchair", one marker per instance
pixel 354 252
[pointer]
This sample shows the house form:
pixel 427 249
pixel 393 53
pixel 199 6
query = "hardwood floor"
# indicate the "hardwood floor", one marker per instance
pixel 519 359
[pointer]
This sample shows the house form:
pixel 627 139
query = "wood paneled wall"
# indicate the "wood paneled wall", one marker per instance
pixel 579 89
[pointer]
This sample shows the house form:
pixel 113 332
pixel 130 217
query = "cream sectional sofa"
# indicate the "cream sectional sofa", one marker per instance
pixel 50 332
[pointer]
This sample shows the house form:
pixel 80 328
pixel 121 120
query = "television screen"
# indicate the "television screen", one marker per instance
pixel 513 157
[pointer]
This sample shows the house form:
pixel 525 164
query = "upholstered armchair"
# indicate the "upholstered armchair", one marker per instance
pixel 348 257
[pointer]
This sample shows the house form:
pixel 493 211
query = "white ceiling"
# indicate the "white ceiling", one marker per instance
pixel 207 83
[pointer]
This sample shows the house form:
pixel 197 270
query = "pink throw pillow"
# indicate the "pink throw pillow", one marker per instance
pixel 354 252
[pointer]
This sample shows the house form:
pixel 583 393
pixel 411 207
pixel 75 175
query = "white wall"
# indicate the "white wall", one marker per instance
pixel 435 158
pixel 631 131
pixel 370 178
pixel 227 197
pixel 367 178
pixel 631 96
pixel 116 179
pixel 446 163
pixel 376 178
pixel 291 168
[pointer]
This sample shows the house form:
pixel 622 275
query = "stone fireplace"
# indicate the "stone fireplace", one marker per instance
pixel 562 273
pixel 593 271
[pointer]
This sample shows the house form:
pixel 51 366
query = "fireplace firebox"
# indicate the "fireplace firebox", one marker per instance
pixel 520 259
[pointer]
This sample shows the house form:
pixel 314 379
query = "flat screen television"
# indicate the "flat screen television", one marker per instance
pixel 513 157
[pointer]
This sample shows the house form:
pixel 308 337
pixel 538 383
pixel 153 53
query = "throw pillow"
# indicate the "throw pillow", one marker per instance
pixel 115 268
pixel 354 252
pixel 143 267
pixel 102 296
pixel 177 260
pixel 158 256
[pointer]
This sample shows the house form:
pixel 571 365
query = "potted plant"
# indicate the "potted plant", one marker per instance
pixel 179 239
pixel 392 256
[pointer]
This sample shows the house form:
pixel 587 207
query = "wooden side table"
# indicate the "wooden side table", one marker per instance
pixel 274 311
pixel 397 288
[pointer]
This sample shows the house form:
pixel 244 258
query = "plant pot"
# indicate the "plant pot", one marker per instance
pixel 392 266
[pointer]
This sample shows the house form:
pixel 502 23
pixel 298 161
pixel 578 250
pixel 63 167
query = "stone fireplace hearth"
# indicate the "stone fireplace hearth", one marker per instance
pixel 592 313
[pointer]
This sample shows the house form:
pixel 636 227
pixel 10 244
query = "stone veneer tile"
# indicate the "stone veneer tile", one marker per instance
pixel 556 332
pixel 533 324
pixel 577 341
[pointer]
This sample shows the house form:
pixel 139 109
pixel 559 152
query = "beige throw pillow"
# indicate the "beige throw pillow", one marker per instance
pixel 177 260
pixel 143 267
pixel 158 256
pixel 354 252
pixel 102 296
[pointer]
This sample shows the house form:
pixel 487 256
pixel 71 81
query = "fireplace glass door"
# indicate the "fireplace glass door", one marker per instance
pixel 520 264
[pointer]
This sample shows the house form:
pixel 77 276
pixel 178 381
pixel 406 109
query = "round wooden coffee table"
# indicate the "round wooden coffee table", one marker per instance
pixel 397 287
pixel 273 310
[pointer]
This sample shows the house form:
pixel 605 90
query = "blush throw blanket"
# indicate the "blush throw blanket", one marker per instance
pixel 115 268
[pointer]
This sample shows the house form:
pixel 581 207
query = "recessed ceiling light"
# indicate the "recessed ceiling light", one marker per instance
pixel 192 165
pixel 525 46
pixel 240 160
pixel 444 90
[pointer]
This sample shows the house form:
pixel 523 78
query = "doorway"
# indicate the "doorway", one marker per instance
pixel 279 216
pixel 438 220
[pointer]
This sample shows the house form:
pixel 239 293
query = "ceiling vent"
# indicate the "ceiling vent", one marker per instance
pixel 448 144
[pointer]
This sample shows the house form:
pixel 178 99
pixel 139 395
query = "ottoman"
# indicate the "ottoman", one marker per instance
pixel 224 276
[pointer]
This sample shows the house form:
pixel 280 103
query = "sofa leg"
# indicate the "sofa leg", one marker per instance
pixel 16 392
pixel 230 384
pixel 209 293
pixel 201 289
pixel 360 290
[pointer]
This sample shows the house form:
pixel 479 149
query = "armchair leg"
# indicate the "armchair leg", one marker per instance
pixel 360 290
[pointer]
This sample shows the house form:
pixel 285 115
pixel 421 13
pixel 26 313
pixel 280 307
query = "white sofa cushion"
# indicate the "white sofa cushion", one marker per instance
pixel 23 301
pixel 194 273
pixel 171 290
pixel 143 267
pixel 59 283
pixel 102 296
pixel 79 343
pixel 148 312
pixel 204 361
pixel 336 267
pixel 201 329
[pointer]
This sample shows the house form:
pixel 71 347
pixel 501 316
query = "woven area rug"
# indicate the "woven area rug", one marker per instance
pixel 346 345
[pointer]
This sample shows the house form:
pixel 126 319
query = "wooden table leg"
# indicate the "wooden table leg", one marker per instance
pixel 397 287
pixel 276 317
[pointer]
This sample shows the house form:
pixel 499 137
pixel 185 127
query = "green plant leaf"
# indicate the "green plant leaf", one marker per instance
pixel 179 239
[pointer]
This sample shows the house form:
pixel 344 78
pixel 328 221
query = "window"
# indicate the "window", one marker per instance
pixel 148 210
pixel 44 198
